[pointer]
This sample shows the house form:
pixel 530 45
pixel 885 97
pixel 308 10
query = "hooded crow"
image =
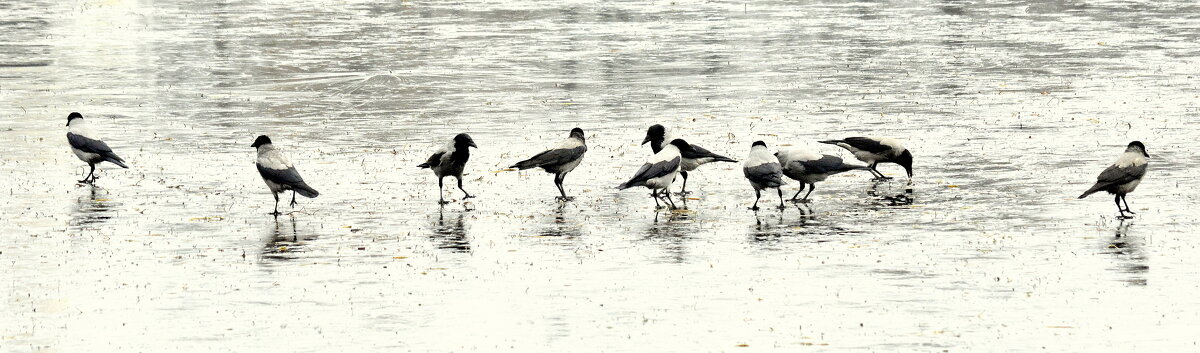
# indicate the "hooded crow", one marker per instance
pixel 659 171
pixel 808 168
pixel 279 174
pixel 763 171
pixel 89 148
pixel 1122 176
pixel 875 150
pixel 559 160
pixel 449 161
pixel 693 158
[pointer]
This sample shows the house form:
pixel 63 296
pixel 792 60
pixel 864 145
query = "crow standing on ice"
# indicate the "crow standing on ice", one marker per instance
pixel 875 150
pixel 449 161
pixel 279 174
pixel 559 160
pixel 659 171
pixel 763 171
pixel 693 158
pixel 809 168
pixel 1122 176
pixel 88 148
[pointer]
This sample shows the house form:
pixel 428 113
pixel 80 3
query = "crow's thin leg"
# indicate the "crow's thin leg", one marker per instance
pixel 466 195
pixel 88 175
pixel 683 190
pixel 293 198
pixel 90 178
pixel 671 201
pixel 558 180
pixel 811 187
pixel 1117 200
pixel 1126 201
pixel 780 189
pixel 276 213
pixel 757 195
pixel 798 192
pixel 878 174
pixel 654 195
pixel 441 199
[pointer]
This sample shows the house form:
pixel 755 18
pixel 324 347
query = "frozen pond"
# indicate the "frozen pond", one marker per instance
pixel 1010 108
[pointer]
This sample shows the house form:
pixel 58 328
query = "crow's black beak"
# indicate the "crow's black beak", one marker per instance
pixel 472 144
pixel 645 140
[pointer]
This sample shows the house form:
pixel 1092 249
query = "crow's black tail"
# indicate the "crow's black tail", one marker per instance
pixel 720 158
pixel 305 190
pixel 627 185
pixel 1095 188
pixel 525 164
pixel 849 167
pixel 112 158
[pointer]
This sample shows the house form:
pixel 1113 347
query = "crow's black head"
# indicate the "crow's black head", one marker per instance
pixel 73 116
pixel 464 140
pixel 681 144
pixel 656 133
pixel 1138 147
pixel 905 160
pixel 261 140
